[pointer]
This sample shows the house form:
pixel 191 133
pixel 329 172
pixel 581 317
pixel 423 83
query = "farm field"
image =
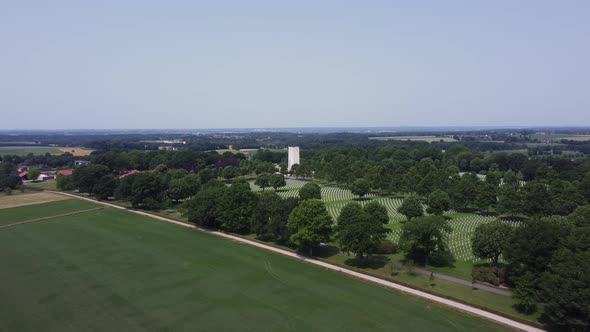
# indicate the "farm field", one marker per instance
pixel 428 139
pixel 112 270
pixel 19 199
pixel 558 137
pixel 463 225
pixel 41 150
pixel 35 211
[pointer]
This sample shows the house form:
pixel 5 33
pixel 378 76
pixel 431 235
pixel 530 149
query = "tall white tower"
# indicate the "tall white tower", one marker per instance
pixel 293 157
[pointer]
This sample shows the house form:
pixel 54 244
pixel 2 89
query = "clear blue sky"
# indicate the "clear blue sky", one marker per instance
pixel 200 64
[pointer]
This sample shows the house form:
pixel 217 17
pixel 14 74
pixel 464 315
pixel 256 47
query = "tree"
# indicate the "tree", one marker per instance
pixel 438 202
pixel 270 216
pixel 33 173
pixel 536 199
pixel 565 286
pixel 360 187
pixel 377 212
pixel 204 209
pixel 530 247
pixel 277 181
pixel 485 195
pixel 230 172
pixel 184 187
pixel 489 240
pixel 105 187
pixel 8 176
pixel 86 177
pixel 411 208
pixel 425 236
pixel 310 224
pixel 310 190
pixel 148 191
pixel 584 187
pixel 237 206
pixel 262 180
pixel 360 230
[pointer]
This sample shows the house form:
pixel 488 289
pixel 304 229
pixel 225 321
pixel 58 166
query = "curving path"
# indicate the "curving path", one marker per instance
pixel 437 299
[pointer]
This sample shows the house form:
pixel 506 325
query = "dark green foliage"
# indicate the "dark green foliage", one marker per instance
pixel 270 216
pixel 204 209
pixel 8 176
pixel 422 237
pixel 310 224
pixel 277 181
pixel 438 202
pixel 105 187
pixel 360 187
pixel 86 177
pixel 310 190
pixel 530 247
pixel 581 216
pixel 411 208
pixel 525 293
pixel 536 199
pixel 33 173
pixel 184 187
pixel 230 172
pixel 148 191
pixel 490 274
pixel 263 181
pixel 565 286
pixel 489 240
pixel 386 247
pixel 237 207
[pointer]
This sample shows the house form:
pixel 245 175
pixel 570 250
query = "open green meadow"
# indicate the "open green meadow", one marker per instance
pixel 112 270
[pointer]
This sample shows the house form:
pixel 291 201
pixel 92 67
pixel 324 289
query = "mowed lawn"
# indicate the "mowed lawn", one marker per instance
pixel 109 270
pixel 36 211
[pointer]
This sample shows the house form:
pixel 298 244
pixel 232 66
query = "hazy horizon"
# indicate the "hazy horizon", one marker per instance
pixel 264 64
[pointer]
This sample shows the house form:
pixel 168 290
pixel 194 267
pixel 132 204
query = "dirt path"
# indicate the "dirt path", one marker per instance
pixel 437 299
pixel 50 217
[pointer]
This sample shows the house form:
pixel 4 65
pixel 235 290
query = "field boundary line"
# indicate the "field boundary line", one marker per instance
pixel 50 217
pixel 374 280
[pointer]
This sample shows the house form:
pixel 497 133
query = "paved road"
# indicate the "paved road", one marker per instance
pixel 461 281
pixel 437 299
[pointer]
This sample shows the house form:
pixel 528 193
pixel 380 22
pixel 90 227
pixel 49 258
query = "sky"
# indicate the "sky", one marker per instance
pixel 260 64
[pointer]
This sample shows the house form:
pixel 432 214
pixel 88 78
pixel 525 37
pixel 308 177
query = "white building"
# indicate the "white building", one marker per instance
pixel 293 157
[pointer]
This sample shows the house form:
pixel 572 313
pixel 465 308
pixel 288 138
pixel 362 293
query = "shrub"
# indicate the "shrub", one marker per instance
pixel 386 247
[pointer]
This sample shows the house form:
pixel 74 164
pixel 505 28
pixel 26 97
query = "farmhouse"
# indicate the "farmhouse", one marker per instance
pixel 65 172
pixel 81 162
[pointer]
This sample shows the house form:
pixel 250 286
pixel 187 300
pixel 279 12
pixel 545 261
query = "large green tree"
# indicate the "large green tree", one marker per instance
pixel 360 187
pixel 489 240
pixel 360 230
pixel 263 181
pixel 204 209
pixel 106 186
pixel 33 173
pixel 565 285
pixel 277 181
pixel 310 224
pixel 438 202
pixel 425 236
pixel 237 207
pixel 411 208
pixel 270 216
pixel 310 190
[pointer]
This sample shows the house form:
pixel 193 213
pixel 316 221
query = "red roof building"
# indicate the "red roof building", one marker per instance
pixel 23 175
pixel 65 172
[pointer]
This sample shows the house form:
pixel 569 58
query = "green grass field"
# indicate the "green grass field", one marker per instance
pixel 111 270
pixel 29 212
pixel 25 150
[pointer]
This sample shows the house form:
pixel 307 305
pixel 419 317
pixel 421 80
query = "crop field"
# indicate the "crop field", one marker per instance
pixel 18 199
pixel 111 270
pixel 41 150
pixel 459 239
pixel 428 139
